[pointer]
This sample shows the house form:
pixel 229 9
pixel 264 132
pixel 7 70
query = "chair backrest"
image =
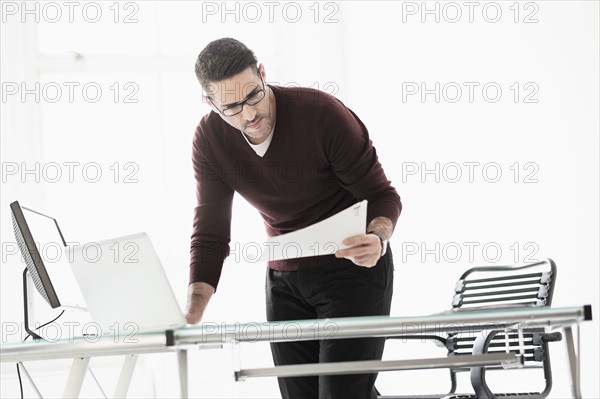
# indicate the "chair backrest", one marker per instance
pixel 506 286
pixel 500 287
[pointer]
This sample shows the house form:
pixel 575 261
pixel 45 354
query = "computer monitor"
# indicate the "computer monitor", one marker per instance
pixel 35 264
pixel 45 261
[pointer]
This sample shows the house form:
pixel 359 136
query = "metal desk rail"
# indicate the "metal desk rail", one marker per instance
pixel 81 350
pixel 383 326
pixel 358 367
pixel 211 335
pixel 378 326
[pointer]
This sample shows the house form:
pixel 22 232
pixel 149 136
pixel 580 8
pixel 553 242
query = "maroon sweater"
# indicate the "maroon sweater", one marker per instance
pixel 320 161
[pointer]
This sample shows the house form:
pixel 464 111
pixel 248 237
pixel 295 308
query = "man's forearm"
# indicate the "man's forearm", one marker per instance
pixel 199 294
pixel 381 225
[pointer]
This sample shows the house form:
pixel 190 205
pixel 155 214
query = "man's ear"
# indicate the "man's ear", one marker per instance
pixel 261 70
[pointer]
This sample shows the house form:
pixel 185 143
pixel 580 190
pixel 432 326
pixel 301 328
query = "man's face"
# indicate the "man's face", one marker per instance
pixel 257 120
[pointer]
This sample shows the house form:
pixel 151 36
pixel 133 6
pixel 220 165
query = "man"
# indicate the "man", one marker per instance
pixel 298 156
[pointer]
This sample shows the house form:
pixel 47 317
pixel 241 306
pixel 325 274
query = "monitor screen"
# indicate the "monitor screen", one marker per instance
pixel 31 255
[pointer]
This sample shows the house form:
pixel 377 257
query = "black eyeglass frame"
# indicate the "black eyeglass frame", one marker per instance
pixel 242 103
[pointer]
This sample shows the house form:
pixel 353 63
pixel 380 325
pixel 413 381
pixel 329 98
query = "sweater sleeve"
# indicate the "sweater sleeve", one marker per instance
pixel 212 217
pixel 355 163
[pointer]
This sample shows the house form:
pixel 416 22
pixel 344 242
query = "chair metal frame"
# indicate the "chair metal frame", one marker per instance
pixel 512 285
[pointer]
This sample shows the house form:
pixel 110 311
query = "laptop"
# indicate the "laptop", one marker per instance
pixel 124 285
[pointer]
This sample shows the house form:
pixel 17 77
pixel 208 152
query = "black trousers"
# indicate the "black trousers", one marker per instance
pixel 338 289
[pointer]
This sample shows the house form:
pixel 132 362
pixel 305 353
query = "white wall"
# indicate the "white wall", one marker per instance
pixel 371 55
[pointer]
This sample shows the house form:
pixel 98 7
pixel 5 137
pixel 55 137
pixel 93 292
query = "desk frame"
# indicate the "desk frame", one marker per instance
pixel 205 335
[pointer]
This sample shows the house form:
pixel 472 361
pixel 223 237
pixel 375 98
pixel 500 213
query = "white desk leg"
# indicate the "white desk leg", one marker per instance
pixel 125 376
pixel 97 382
pixel 35 388
pixel 76 376
pixel 183 372
pixel 574 365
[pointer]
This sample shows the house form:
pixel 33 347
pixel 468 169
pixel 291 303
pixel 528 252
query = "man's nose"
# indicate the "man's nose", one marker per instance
pixel 248 113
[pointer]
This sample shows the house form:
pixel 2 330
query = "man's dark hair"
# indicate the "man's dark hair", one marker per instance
pixel 222 59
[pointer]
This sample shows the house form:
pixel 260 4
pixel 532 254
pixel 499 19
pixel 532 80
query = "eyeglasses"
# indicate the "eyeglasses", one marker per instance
pixel 239 107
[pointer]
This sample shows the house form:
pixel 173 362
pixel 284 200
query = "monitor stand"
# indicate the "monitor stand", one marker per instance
pixel 34 336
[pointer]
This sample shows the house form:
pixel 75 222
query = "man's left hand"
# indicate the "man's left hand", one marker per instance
pixel 365 250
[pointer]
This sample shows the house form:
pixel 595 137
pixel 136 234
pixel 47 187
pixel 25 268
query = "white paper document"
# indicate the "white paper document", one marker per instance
pixel 322 238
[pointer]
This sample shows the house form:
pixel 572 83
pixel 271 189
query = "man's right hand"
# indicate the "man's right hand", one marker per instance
pixel 198 296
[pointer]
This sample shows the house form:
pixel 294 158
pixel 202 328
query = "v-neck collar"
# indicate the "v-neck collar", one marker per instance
pixel 275 133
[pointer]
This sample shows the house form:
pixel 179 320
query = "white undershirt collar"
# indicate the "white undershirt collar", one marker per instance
pixel 261 148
